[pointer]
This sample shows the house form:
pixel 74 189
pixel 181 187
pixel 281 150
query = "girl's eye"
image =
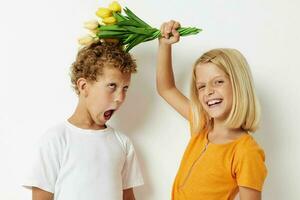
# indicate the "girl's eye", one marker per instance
pixel 201 87
pixel 219 82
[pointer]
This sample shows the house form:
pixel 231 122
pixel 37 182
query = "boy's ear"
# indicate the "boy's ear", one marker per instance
pixel 82 85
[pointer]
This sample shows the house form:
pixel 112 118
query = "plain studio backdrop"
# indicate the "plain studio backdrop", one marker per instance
pixel 38 44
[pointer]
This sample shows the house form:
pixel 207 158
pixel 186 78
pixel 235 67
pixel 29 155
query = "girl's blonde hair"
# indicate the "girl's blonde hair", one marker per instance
pixel 245 111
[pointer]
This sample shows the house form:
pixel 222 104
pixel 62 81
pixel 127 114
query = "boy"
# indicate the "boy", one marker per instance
pixel 83 158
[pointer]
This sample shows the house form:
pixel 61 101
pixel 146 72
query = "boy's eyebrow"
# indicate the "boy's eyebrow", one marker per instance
pixel 116 82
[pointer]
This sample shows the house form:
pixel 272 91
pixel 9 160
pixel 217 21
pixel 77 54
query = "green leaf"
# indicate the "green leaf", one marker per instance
pixel 119 16
pixel 188 31
pixel 128 23
pixel 154 36
pixel 130 38
pixel 110 34
pixel 135 18
pixel 142 31
pixel 135 42
pixel 111 28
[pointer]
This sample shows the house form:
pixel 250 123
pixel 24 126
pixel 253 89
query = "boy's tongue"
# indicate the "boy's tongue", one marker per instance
pixel 108 114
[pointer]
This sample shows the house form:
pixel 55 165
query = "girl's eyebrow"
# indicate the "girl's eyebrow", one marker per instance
pixel 218 76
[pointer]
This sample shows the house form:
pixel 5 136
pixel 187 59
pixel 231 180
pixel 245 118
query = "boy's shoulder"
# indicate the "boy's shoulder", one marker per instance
pixel 124 140
pixel 54 133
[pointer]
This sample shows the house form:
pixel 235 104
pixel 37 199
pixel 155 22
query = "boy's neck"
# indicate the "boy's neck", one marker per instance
pixel 82 119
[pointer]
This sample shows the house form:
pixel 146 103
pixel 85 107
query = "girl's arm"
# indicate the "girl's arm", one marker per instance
pixel 39 194
pixel 165 83
pixel 249 194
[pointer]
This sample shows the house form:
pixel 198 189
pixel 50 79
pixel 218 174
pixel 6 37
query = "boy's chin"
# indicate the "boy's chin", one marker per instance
pixel 100 122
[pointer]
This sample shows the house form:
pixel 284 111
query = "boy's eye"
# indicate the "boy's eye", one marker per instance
pixel 112 85
pixel 125 88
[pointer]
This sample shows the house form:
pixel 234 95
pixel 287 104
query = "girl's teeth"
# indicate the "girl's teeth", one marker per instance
pixel 215 101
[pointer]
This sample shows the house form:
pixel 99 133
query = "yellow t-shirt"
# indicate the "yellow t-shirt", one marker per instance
pixel 211 171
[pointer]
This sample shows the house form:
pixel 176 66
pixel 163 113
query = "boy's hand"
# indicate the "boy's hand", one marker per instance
pixel 169 33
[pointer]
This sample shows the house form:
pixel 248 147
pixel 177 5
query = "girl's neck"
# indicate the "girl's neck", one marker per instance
pixel 220 133
pixel 219 126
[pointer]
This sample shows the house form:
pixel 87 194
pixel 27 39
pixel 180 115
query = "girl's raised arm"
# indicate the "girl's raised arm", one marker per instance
pixel 165 82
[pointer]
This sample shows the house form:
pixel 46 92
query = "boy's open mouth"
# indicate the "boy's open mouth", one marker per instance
pixel 108 114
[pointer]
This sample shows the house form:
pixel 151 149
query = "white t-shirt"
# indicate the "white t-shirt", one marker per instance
pixel 80 164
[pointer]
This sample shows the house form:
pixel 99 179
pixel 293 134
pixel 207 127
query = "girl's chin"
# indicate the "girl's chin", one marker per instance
pixel 219 117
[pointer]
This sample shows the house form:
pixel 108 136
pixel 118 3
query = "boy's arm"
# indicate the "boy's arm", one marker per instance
pixel 165 83
pixel 128 194
pixel 39 194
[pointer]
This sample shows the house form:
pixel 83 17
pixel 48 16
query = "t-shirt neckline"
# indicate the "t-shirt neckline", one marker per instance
pixel 87 131
pixel 224 144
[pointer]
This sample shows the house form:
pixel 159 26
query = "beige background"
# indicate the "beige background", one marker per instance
pixel 38 44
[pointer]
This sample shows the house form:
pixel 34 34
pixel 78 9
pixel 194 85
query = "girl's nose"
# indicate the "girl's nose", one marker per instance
pixel 209 90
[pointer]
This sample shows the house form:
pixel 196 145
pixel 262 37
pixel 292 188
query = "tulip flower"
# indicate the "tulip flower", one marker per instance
pixel 109 20
pixel 93 33
pixel 104 13
pixel 86 40
pixel 115 7
pixel 91 25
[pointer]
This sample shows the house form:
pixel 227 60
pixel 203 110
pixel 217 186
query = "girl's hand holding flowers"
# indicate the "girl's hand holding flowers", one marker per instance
pixel 169 32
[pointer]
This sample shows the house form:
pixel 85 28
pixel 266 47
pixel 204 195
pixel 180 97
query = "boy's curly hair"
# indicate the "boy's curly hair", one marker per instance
pixel 91 59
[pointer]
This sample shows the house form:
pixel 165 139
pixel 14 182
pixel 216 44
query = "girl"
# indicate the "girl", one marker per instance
pixel 222 158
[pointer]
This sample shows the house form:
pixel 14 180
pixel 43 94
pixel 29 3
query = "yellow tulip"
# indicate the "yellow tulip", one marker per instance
pixel 104 13
pixel 115 7
pixel 109 20
pixel 91 25
pixel 86 40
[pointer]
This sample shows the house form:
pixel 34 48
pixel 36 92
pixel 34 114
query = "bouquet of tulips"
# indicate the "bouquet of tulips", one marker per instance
pixel 127 29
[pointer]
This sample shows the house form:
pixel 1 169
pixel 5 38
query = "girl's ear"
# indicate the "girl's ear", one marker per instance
pixel 82 85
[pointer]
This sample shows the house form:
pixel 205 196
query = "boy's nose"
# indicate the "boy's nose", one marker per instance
pixel 119 98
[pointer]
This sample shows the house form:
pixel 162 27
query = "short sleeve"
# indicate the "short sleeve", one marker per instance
pixel 45 168
pixel 131 172
pixel 250 169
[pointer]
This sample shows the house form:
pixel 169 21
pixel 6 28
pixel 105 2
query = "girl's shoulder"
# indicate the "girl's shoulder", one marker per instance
pixel 248 146
pixel 247 141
